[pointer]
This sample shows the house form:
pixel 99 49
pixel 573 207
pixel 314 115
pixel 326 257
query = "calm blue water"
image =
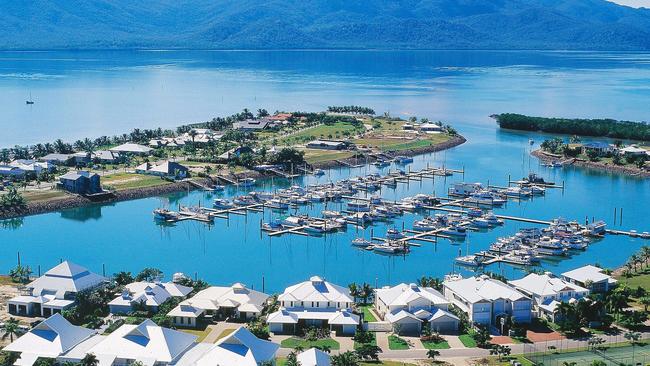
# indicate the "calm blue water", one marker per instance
pixel 92 93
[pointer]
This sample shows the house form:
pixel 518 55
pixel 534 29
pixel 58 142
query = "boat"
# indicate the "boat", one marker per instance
pixel 314 197
pixel 164 214
pixel 261 196
pixel 403 159
pixel 537 190
pixel 465 189
pixel 318 172
pixel 485 198
pixel 273 225
pixel 222 203
pixel 247 182
pixel 381 163
pixel 218 188
pixel 517 192
pixel 536 179
pixel 634 233
pixel 475 212
pixel 492 219
pixel 359 218
pixel 315 228
pixel 469 260
pixel 358 206
pixel 298 200
pixel 597 228
pixel 245 200
pixel 454 230
pixel 385 248
pixel 29 101
pixel 292 221
pixel 331 214
pixel 644 235
pixel 394 234
pixel 360 242
pixel 424 225
pixel 480 223
pixel 197 213
pixel 277 204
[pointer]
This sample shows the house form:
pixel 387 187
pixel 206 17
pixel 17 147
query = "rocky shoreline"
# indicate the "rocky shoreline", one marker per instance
pixel 36 208
pixel 547 158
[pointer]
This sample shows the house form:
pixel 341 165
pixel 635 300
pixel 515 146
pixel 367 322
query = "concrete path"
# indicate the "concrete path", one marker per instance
pixel 454 341
pixel 347 343
pixel 382 341
pixel 217 329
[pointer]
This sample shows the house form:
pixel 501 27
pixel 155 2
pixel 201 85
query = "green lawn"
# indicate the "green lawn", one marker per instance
pixel 435 345
pixel 642 278
pixel 305 344
pixel 367 314
pixel 371 343
pixel 333 131
pixel 121 181
pixel 468 341
pixel 397 343
pixel 317 156
pixel 44 195
pixel 403 144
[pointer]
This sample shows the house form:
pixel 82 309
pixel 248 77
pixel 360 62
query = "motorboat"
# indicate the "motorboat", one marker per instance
pixel 293 221
pixel 537 190
pixel 454 230
pixel 247 182
pixel 222 203
pixel 394 234
pixel 218 188
pixel 465 189
pixel 469 260
pixel 360 242
pixel 277 204
pixel 403 159
pixel 261 196
pixel 359 218
pixel 328 214
pixel 475 212
pixel 273 225
pixel 314 197
pixel 164 214
pixel 424 225
pixel 318 172
pixel 480 223
pixel 245 200
pixel 492 219
pixel 358 206
pixel 485 198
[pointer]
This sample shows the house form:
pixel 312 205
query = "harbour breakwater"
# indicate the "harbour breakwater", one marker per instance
pixel 609 168
pixel 75 201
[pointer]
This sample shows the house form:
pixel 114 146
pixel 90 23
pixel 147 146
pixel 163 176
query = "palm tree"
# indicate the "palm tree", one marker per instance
pixel 11 329
pixel 292 360
pixel 354 291
pixel 432 354
pixel 89 360
pixel 645 301
pixel 635 260
pixel 365 292
pixel 645 253
pixel 348 358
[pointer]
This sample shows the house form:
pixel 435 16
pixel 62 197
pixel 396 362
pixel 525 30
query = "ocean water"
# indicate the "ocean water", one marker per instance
pixel 80 94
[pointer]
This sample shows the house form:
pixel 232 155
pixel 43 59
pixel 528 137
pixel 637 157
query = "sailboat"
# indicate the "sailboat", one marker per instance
pixel 30 100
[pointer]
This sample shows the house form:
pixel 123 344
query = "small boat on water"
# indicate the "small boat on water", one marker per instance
pixel 292 221
pixel 29 101
pixel 454 230
pixel 245 200
pixel 358 206
pixel 469 260
pixel 475 212
pixel 359 218
pixel 277 204
pixel 218 188
pixel 492 219
pixel 480 222
pixel 403 159
pixel 197 213
pixel 318 172
pixel 328 214
pixel 273 225
pixel 394 234
pixel 381 163
pixel 222 203
pixel 361 243
pixel 164 214
pixel 247 182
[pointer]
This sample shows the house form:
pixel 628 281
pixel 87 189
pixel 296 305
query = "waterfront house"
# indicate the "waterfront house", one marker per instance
pixel 32 166
pixel 149 295
pixel 80 182
pixel 547 292
pixel 239 348
pixel 313 357
pixel 597 146
pixel 328 145
pixel 486 300
pixel 281 117
pixel 57 159
pixel 251 125
pixel 235 152
pixel 54 338
pixel 54 291
pixel 169 169
pixel 409 307
pixel 590 277
pixel 314 303
pixel 106 157
pixel 236 301
pixel 430 128
pixel 11 171
pixel 131 149
pixel 634 150
pixel 145 342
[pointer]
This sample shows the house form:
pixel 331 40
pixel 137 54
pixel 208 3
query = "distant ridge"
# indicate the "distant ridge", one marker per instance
pixel 289 24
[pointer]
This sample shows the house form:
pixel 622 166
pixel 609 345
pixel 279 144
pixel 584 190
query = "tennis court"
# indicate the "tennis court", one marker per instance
pixel 627 355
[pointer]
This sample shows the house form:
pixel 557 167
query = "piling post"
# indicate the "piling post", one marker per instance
pixel 615 209
pixel 620 220
pixel 39 270
pixel 103 270
pixel 18 259
pixel 263 284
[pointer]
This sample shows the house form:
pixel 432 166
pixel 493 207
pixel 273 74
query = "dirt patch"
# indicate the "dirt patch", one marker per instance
pixel 501 340
pixel 542 335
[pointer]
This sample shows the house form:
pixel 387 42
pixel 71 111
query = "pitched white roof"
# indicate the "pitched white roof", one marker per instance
pixel 316 289
pixel 403 294
pixel 239 348
pixel 66 277
pixel 292 316
pixel 587 273
pixel 151 293
pixel 483 288
pixel 313 357
pixel 441 314
pixel 402 315
pixel 145 342
pixel 282 316
pixel 545 285
pixel 51 338
pixel 131 148
pixel 236 296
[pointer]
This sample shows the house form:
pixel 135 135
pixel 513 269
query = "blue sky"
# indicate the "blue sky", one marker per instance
pixel 634 3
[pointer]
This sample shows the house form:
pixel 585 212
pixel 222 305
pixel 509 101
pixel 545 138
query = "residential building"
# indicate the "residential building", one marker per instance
pixel 54 338
pixel 281 117
pixel 145 342
pixel 409 307
pixel 253 124
pixel 236 301
pixel 313 357
pixel 598 146
pixel 235 152
pixel 11 171
pixel 327 145
pixel 547 292
pixel 147 294
pixel 165 169
pixel 634 150
pixel 314 303
pixel 430 127
pixel 106 157
pixel 131 149
pixel 32 166
pixel 57 159
pixel 486 300
pixel 239 348
pixel 54 291
pixel 590 277
pixel 80 182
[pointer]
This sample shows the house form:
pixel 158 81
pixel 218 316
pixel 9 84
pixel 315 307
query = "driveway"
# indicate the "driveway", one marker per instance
pixel 217 329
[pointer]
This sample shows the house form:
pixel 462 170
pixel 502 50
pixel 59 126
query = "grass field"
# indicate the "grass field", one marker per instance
pixel 436 345
pixel 397 343
pixel 367 314
pixel 402 144
pixel 641 278
pixel 121 181
pixel 45 195
pixel 337 130
pixel 467 340
pixel 305 344
pixel 317 156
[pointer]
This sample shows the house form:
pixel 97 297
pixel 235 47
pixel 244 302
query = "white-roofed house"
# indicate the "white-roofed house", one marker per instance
pixel 591 277
pixel 239 348
pixel 146 294
pixel 313 357
pixel 130 148
pixel 408 307
pixel 165 169
pixel 221 302
pixel 54 291
pixel 547 292
pixel 316 303
pixel 53 338
pixel 486 300
pixel 146 342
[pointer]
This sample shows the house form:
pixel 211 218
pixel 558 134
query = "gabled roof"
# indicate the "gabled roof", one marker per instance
pixel 282 316
pixel 131 148
pixel 403 294
pixel 587 273
pixel 51 338
pixel 145 342
pixel 316 289
pixel 239 348
pixel 76 174
pixel 313 357
pixel 441 314
pixel 66 277
pixel 545 285
pixel 401 316
pixel 151 293
pixel 483 288
pixel 237 296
